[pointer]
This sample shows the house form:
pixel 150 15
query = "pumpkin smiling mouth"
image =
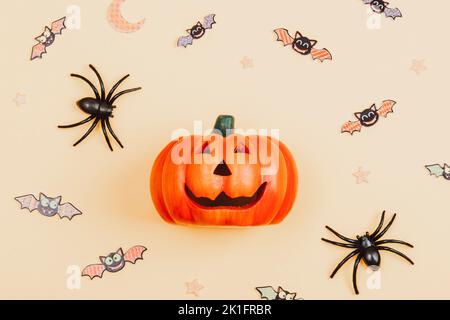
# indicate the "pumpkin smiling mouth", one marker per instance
pixel 224 200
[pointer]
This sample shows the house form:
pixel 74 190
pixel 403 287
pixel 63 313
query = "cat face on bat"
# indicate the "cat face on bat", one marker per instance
pixel 47 38
pixel 284 295
pixel 48 206
pixel 446 173
pixel 378 6
pixel 114 261
pixel 302 44
pixel 197 31
pixel 368 117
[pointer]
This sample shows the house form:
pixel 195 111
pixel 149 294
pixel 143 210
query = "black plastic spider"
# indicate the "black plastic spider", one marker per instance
pixel 99 108
pixel 367 248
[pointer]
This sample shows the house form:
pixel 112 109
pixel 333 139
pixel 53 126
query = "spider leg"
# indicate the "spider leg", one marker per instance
pixel 88 82
pixel 394 241
pixel 396 252
pixel 379 225
pixel 355 269
pixel 87 132
pixel 378 236
pixel 100 80
pixel 341 236
pixel 106 134
pixel 339 244
pixel 78 123
pixel 122 93
pixel 353 253
pixel 111 92
pixel 108 125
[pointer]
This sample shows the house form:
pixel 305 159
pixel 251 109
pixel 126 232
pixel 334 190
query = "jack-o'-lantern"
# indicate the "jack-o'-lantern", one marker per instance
pixel 224 179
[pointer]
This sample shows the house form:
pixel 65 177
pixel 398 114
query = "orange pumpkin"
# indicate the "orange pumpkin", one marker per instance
pixel 224 179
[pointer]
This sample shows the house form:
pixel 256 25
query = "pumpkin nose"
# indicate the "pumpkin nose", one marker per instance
pixel 222 170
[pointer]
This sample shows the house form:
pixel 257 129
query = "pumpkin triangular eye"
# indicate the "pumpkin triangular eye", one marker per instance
pixel 241 149
pixel 206 149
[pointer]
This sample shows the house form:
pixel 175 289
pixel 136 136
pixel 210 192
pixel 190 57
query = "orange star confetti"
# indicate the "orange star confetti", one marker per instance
pixel 193 287
pixel 361 176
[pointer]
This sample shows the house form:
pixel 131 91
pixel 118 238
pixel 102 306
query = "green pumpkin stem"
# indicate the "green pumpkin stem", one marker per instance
pixel 224 125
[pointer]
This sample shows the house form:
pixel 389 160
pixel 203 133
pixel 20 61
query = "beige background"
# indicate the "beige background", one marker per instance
pixel 306 100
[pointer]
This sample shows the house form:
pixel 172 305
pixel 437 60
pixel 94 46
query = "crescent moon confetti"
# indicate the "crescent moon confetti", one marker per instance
pixel 118 22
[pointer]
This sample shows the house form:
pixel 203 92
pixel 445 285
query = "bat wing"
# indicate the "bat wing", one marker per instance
pixel 37 51
pixel 67 210
pixel 185 41
pixel 393 13
pixel 321 55
pixel 283 36
pixel 135 253
pixel 386 107
pixel 58 26
pixel 27 202
pixel 435 169
pixel 268 292
pixel 351 127
pixel 93 270
pixel 208 21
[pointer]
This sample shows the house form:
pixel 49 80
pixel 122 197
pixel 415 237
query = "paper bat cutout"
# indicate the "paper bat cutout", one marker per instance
pixel 47 206
pixel 368 117
pixel 47 38
pixel 380 6
pixel 269 293
pixel 114 262
pixel 439 171
pixel 302 45
pixel 197 31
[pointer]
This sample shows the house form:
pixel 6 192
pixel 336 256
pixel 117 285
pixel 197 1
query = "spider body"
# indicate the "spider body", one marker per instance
pixel 99 108
pixel 367 248
pixel 369 252
pixel 93 107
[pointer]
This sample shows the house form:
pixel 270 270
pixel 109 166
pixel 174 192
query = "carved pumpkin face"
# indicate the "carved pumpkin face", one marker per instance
pixel 224 180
